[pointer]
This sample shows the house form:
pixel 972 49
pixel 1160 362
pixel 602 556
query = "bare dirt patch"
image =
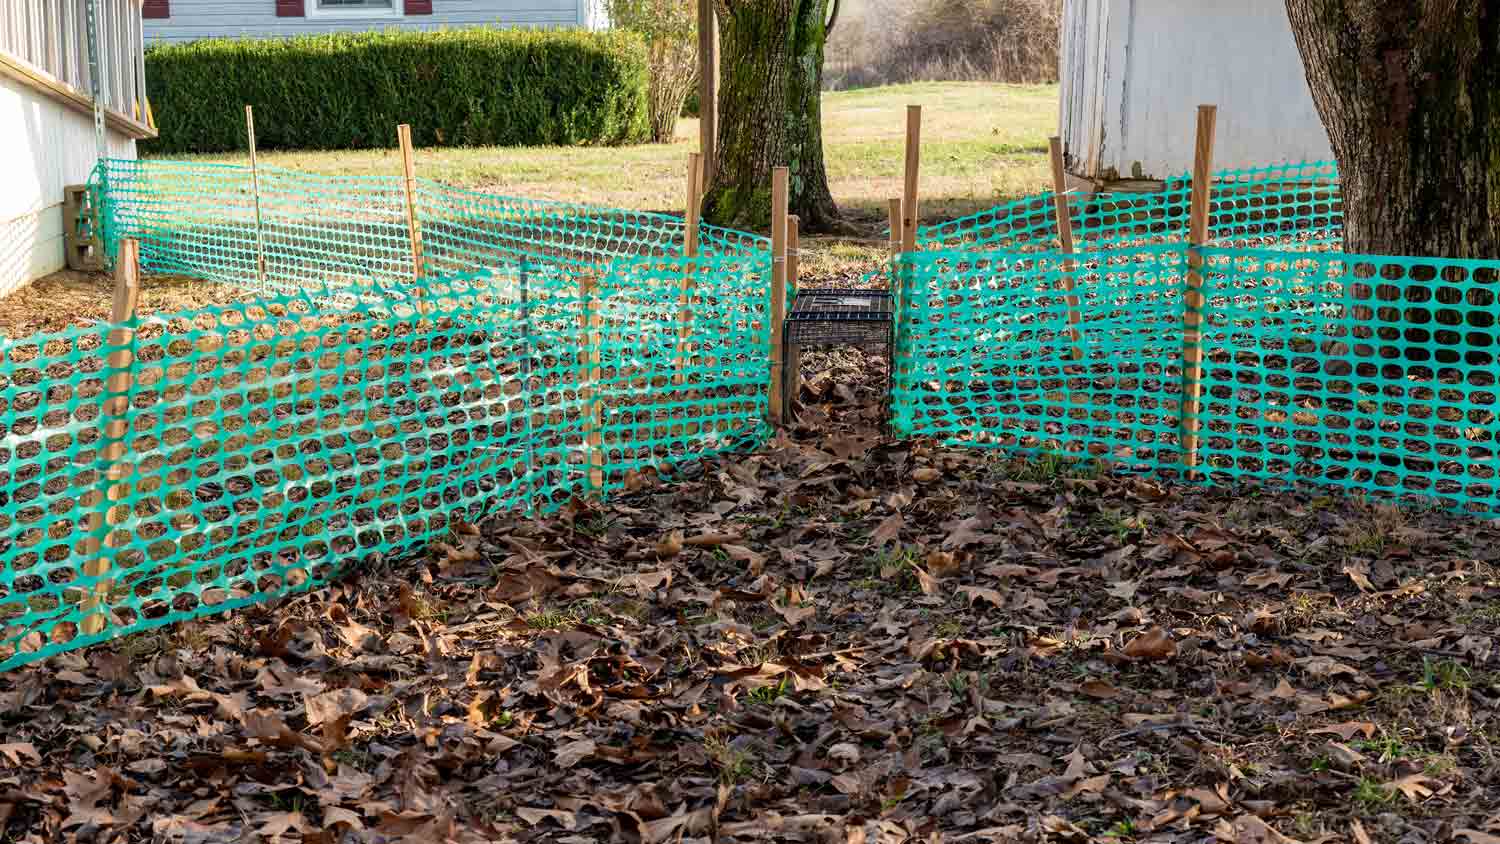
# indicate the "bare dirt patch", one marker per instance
pixel 74 299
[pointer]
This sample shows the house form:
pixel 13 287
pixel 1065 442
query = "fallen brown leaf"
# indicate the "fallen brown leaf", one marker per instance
pixel 1154 644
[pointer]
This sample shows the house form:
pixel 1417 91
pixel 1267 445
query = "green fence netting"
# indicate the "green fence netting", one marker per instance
pixel 1367 373
pixel 350 413
pixel 1287 204
pixel 1370 373
pixel 314 231
pixel 985 351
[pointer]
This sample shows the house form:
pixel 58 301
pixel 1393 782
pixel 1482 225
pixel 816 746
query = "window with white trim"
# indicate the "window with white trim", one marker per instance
pixel 353 8
pixel 380 5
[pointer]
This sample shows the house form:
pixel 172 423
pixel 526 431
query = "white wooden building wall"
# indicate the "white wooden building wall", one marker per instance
pixel 1134 71
pixel 45 142
pixel 51 36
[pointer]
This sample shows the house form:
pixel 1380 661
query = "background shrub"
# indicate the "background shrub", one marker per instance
pixel 883 42
pixel 468 87
pixel 670 28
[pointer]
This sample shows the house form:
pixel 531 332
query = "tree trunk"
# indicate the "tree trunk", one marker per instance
pixel 1409 91
pixel 770 113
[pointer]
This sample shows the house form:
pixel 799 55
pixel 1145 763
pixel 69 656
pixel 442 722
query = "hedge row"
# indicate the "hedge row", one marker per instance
pixel 469 87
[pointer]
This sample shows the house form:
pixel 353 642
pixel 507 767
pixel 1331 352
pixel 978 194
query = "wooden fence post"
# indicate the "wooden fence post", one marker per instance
pixel 260 242
pixel 409 170
pixel 692 223
pixel 1192 294
pixel 114 415
pixel 909 187
pixel 523 273
pixel 779 198
pixel 590 321
pixel 1065 239
pixel 708 88
pixel 894 210
pixel 693 205
pixel 793 269
pixel 793 250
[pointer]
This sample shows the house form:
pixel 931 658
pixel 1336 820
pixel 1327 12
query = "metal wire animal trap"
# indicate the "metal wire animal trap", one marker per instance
pixel 834 317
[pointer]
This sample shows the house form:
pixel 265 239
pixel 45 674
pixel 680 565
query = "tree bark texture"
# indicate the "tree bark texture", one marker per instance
pixel 770 114
pixel 1409 91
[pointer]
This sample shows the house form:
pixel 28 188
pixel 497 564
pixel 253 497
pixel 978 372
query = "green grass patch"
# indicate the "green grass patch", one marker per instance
pixel 982 144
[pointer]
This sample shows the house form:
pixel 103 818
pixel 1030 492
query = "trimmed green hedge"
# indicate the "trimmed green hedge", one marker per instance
pixel 469 87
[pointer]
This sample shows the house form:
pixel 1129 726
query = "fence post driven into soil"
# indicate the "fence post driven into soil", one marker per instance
pixel 909 183
pixel 524 278
pixel 793 267
pixel 793 250
pixel 778 288
pixel 693 204
pixel 590 321
pixel 894 211
pixel 114 448
pixel 409 171
pixel 260 242
pixel 1065 240
pixel 900 364
pixel 692 223
pixel 1192 294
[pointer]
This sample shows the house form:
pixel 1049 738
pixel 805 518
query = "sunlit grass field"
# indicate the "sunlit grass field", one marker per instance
pixel 982 143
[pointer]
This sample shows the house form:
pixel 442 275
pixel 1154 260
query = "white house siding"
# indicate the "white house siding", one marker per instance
pixel 1134 72
pixel 194 19
pixel 46 146
pixel 1081 82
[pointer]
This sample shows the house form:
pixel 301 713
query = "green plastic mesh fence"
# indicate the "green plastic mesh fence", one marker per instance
pixel 1368 373
pixel 1364 372
pixel 1285 204
pixel 271 444
pixel 317 232
pixel 985 351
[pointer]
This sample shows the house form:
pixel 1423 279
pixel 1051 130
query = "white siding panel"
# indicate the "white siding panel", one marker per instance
pixel 194 19
pixel 1077 60
pixel 1165 57
pixel 46 145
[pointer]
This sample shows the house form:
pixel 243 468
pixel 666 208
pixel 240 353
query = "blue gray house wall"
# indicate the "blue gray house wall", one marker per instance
pixel 194 19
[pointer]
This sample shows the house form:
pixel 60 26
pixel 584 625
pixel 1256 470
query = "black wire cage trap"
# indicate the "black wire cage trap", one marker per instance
pixel 835 317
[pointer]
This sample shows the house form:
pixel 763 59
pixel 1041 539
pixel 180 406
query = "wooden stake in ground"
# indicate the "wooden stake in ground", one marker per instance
pixel 793 250
pixel 693 204
pixel 409 170
pixel 1192 294
pixel 708 89
pixel 260 243
pixel 909 183
pixel 1065 239
pixel 894 210
pixel 523 277
pixel 589 322
pixel 793 268
pixel 691 222
pixel 114 416
pixel 779 198
pixel 894 215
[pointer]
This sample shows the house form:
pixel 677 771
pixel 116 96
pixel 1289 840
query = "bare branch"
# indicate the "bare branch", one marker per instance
pixel 832 19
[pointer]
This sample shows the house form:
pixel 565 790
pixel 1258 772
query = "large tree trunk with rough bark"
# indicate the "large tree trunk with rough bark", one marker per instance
pixel 770 113
pixel 1409 91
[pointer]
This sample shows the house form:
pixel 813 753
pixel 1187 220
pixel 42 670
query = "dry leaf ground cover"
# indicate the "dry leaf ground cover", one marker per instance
pixel 842 638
